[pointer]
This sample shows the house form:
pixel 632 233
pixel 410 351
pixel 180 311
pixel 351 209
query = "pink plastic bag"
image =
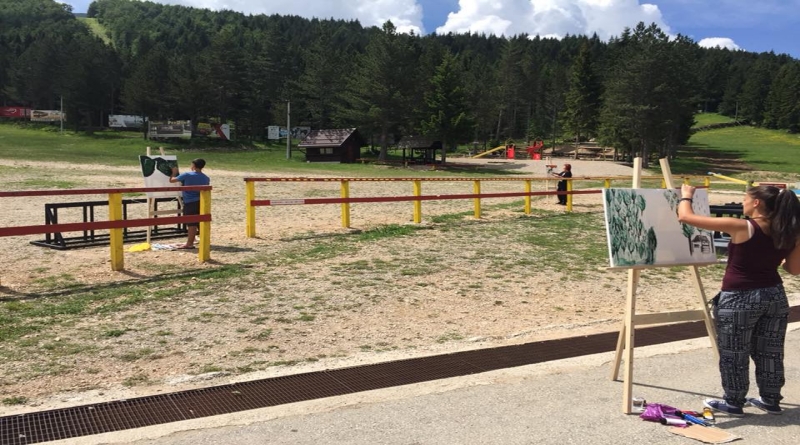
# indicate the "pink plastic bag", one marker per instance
pixel 654 412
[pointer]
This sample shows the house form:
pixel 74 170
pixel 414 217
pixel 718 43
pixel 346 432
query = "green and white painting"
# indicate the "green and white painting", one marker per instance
pixel 156 171
pixel 642 229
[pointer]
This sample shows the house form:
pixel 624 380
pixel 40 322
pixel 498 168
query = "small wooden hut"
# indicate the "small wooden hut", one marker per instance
pixel 336 145
pixel 419 150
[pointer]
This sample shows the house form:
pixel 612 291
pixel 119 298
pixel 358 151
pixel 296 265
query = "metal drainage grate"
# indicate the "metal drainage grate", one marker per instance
pixel 119 415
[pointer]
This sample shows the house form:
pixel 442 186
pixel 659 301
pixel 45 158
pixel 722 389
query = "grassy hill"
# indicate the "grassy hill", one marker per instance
pixel 742 152
pixel 703 119
pixel 96 28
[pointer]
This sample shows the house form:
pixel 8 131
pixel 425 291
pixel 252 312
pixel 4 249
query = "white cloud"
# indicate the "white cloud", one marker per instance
pixel 722 42
pixel 406 15
pixel 553 18
pixel 607 18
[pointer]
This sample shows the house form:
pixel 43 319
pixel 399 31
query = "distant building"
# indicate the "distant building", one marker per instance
pixel 419 149
pixel 339 145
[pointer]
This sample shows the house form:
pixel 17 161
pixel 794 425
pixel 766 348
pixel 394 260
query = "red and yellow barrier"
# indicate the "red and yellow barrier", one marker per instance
pixel 115 222
pixel 416 197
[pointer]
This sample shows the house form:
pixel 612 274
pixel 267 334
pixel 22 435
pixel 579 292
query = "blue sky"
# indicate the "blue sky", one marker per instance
pixel 751 25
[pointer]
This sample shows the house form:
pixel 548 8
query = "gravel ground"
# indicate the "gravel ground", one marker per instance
pixel 290 305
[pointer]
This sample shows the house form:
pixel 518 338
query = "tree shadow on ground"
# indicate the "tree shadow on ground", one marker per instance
pixel 702 158
pixel 500 168
pixel 9 294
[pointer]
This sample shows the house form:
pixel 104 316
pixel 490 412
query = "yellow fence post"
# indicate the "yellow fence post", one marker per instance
pixel 569 196
pixel 476 189
pixel 528 197
pixel 607 183
pixel 250 211
pixel 345 205
pixel 115 235
pixel 707 182
pixel 663 184
pixel 204 253
pixel 417 204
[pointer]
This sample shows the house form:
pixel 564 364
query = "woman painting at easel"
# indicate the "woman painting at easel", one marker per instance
pixel 751 311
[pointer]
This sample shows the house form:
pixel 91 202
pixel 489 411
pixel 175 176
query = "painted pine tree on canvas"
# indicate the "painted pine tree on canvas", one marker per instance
pixel 642 228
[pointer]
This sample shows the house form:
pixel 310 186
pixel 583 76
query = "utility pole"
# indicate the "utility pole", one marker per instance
pixel 61 117
pixel 288 130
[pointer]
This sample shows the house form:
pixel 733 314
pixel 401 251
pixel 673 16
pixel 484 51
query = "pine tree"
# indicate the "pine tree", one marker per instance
pixel 583 98
pixel 90 77
pixel 446 106
pixel 322 77
pixel 189 89
pixel 648 93
pixel 783 102
pixel 146 90
pixel 225 68
pixel 30 76
pixel 510 84
pixel 755 90
pixel 481 94
pixel 378 90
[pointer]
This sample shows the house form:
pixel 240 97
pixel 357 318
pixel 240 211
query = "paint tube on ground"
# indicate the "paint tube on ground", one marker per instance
pixel 691 419
pixel 673 421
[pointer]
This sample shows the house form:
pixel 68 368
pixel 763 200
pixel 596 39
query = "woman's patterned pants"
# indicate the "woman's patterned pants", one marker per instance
pixel 751 323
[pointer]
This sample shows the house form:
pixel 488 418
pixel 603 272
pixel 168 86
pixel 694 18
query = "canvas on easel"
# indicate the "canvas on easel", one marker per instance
pixel 157 171
pixel 642 228
pixel 625 341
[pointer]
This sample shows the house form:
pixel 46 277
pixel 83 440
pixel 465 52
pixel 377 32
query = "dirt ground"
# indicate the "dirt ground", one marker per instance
pixel 445 291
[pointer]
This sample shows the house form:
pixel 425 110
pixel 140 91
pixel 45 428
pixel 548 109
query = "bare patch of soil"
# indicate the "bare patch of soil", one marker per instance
pixel 724 162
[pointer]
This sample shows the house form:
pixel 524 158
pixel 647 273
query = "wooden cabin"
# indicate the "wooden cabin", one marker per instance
pixel 336 145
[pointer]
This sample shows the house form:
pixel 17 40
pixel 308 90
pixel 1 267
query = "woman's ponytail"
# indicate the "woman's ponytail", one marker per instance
pixel 785 220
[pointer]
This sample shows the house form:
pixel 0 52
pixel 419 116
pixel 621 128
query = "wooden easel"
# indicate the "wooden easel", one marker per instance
pixel 625 342
pixel 549 167
pixel 151 204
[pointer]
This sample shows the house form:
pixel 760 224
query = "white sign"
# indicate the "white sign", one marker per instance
pixel 287 202
pixel 278 132
pixel 214 130
pixel 223 131
pixel 300 132
pixel 46 116
pixel 170 129
pixel 125 121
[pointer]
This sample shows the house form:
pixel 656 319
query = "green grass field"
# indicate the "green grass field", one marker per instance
pixel 703 119
pixel 742 152
pixel 116 148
